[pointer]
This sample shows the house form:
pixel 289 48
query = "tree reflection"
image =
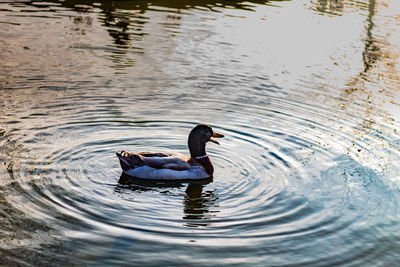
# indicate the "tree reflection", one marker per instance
pixel 126 27
pixel 371 53
pixel 333 7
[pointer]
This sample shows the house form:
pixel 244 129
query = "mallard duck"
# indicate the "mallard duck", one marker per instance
pixel 171 166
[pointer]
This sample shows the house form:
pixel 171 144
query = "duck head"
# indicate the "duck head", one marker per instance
pixel 198 138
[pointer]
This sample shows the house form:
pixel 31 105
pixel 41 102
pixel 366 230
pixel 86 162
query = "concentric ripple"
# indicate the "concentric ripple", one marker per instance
pixel 276 185
pixel 307 174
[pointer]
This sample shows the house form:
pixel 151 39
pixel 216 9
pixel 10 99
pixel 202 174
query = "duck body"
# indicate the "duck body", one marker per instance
pixel 171 166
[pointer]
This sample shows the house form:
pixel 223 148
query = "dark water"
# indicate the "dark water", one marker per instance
pixel 306 93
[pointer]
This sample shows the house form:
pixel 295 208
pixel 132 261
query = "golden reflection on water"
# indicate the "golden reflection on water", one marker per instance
pixel 376 88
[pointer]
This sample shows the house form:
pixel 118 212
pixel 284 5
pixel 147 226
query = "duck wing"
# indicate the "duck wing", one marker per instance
pixel 170 161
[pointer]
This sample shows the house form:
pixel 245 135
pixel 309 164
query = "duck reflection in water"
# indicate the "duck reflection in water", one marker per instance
pixel 198 205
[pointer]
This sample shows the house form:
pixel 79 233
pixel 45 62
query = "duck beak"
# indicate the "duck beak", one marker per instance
pixel 216 135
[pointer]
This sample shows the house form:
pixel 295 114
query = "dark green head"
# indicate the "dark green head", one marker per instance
pixel 198 138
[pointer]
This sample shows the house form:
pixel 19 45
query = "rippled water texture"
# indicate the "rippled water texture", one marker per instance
pixel 306 93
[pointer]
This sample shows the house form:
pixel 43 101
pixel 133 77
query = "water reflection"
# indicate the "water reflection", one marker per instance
pixel 311 162
pixel 125 21
pixel 332 7
pixel 143 6
pixel 128 22
pixel 371 53
pixel 337 7
pixel 199 206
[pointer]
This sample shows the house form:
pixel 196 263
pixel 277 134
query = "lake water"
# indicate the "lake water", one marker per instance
pixel 306 93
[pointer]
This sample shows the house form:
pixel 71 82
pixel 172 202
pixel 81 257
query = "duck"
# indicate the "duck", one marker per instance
pixel 173 166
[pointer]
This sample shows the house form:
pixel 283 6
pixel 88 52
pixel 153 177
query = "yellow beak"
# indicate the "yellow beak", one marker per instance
pixel 216 135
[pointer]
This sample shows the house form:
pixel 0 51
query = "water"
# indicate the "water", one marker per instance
pixel 305 92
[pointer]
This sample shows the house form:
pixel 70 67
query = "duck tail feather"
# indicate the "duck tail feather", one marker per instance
pixel 129 160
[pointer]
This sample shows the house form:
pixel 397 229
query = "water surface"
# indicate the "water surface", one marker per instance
pixel 305 92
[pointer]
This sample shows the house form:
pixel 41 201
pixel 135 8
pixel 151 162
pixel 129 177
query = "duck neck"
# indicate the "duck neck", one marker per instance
pixel 198 152
pixel 196 148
